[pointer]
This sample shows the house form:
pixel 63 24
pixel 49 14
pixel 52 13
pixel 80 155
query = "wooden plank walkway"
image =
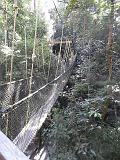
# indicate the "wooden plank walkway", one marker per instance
pixel 25 137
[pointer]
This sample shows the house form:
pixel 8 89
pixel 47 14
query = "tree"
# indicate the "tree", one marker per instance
pixel 24 18
pixel 87 128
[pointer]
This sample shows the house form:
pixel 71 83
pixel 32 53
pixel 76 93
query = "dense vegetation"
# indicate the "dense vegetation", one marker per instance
pixel 84 123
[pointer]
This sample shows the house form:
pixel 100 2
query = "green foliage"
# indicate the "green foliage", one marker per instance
pixel 80 89
pixel 78 131
pixel 95 114
pixel 105 143
pixel 72 136
pixel 25 22
pixel 71 5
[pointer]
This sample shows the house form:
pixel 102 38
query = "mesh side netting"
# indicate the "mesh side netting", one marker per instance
pixel 11 93
pixel 17 90
pixel 22 118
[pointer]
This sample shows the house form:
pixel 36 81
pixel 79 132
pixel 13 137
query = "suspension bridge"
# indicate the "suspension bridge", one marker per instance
pixel 25 103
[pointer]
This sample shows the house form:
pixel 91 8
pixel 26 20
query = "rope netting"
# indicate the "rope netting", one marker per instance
pixel 21 100
pixel 17 121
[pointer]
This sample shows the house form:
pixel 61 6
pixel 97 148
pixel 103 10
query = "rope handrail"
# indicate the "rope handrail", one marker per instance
pixel 29 131
pixel 20 80
pixel 11 107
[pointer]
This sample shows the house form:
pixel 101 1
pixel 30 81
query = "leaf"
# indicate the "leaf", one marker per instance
pixel 71 5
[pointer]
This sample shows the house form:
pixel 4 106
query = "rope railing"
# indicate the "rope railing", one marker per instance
pixel 12 112
pixel 20 100
pixel 11 107
pixel 17 90
pixel 11 93
pixel 26 103
pixel 14 91
pixel 37 119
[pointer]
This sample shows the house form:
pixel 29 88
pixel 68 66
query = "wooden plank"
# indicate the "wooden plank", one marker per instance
pixel 8 150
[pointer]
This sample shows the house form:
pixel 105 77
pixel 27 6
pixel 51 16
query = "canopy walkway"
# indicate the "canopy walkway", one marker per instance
pixel 25 103
pixel 23 111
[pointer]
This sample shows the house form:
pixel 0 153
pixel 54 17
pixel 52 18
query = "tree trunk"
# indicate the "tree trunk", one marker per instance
pixel 109 52
pixel 110 42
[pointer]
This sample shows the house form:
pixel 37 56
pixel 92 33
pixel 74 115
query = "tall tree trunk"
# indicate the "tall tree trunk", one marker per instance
pixel 110 41
pixel 110 47
pixel 109 52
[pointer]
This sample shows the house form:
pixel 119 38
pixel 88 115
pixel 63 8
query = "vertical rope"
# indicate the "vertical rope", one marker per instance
pixel 65 56
pixel 59 55
pixel 26 62
pixel 6 126
pixel 34 5
pixel 89 73
pixel 67 53
pixel 5 30
pixel 32 67
pixel 110 40
pixel 43 61
pixel 33 54
pixel 13 40
pixel 5 21
pixel 69 48
pixel 49 67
